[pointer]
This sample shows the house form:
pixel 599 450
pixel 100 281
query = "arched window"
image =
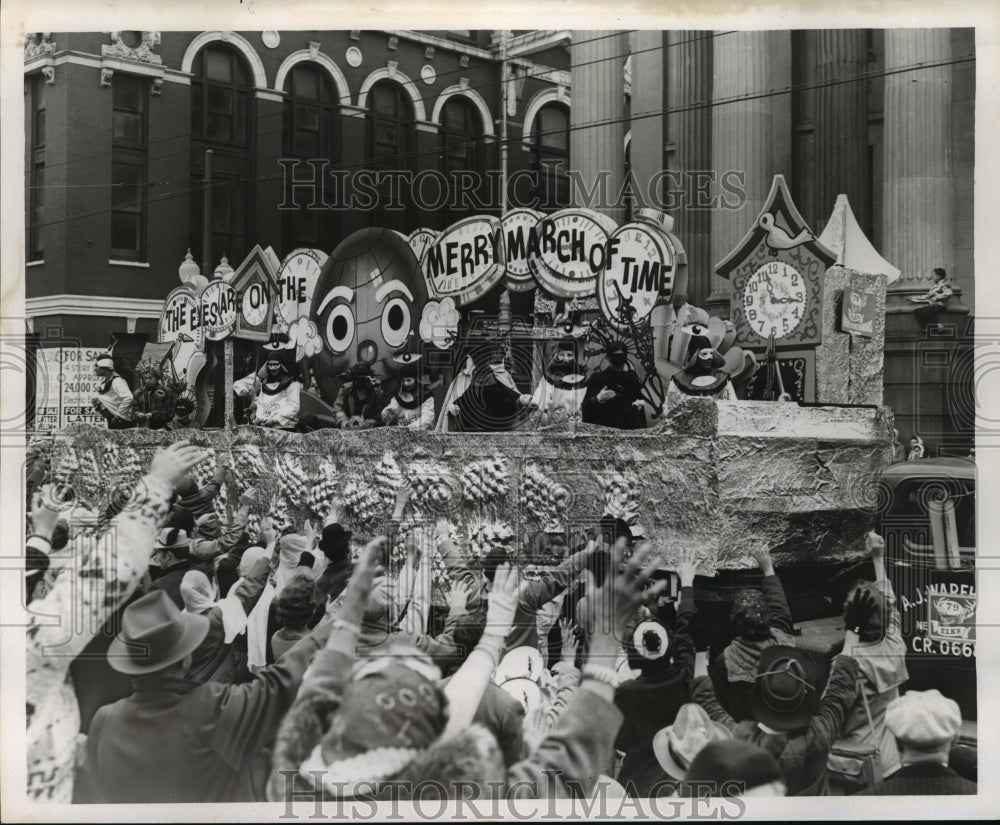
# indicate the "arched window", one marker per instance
pixel 550 143
pixel 461 150
pixel 221 121
pixel 309 133
pixel 390 143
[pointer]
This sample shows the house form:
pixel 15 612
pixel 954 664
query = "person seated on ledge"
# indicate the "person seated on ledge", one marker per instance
pixel 934 301
pixel 359 402
pixel 276 394
pixel 412 406
pixel 612 397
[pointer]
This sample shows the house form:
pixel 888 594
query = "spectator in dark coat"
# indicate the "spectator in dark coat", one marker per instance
pixel 171 560
pixel 789 725
pixel 760 619
pixel 925 725
pixel 174 740
pixel 198 501
pixel 650 702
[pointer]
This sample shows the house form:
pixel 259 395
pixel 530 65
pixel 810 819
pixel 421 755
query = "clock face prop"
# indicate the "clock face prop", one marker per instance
pixel 776 273
pixel 774 300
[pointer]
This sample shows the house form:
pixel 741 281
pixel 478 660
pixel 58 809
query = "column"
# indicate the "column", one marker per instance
pixel 751 135
pixel 647 122
pixel 689 131
pixel 841 124
pixel 598 84
pixel 918 205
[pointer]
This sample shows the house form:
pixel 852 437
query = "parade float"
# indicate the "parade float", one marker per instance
pixel 793 463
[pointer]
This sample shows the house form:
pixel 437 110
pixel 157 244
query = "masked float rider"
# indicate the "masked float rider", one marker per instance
pixel 359 402
pixel 484 397
pixel 559 395
pixel 613 394
pixel 412 406
pixel 153 405
pixel 701 376
pixel 275 390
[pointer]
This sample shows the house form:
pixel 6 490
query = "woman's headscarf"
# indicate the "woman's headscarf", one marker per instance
pixel 199 595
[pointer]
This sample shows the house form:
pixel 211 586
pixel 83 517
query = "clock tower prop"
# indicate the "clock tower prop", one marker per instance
pixel 778 274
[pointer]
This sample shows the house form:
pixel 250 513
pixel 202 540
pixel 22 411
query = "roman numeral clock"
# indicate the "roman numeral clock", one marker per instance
pixel 777 273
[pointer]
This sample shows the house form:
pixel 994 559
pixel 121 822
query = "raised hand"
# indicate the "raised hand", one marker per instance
pixel 43 512
pixel 859 610
pixel 267 532
pixel 762 555
pixel 359 587
pixel 686 566
pixel 608 609
pixel 875 545
pixel 458 598
pixel 569 640
pixel 502 602
pixel 172 463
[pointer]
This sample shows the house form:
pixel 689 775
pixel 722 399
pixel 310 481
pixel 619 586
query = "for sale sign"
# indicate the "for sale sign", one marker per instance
pixel 65 386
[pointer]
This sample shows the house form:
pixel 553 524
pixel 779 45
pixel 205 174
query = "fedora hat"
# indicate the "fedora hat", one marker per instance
pixel 785 688
pixel 175 540
pixel 154 635
pixel 676 745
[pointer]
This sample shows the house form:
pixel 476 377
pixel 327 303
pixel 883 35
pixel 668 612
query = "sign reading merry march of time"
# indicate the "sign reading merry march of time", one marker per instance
pixel 774 300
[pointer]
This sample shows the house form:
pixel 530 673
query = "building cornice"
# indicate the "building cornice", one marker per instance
pixel 442 43
pixel 101 305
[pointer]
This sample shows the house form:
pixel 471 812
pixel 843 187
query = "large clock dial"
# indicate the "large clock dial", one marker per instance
pixel 774 300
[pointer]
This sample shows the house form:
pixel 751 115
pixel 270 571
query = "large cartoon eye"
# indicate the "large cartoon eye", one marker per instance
pixel 340 328
pixel 396 322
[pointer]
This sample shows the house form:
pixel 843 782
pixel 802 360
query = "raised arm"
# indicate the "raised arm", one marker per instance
pixel 534 595
pixel 465 689
pixel 118 561
pixel 569 760
pixel 321 689
pixel 774 593
pixel 682 644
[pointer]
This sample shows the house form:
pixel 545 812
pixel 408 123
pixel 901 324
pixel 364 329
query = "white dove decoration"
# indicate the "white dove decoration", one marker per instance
pixel 778 238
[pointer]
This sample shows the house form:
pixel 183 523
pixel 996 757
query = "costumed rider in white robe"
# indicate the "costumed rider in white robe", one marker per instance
pixel 114 398
pixel 276 391
pixel 702 375
pixel 559 395
pixel 484 398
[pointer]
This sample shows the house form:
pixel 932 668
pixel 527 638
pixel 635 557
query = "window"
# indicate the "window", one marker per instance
pixel 220 120
pixel 309 125
pixel 128 167
pixel 389 144
pixel 35 167
pixel 550 139
pixel 461 147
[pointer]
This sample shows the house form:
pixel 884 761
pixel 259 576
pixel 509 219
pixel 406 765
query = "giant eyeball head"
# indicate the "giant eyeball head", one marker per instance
pixel 367 306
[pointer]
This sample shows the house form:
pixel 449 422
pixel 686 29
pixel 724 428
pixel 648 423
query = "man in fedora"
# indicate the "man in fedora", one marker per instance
pixel 677 745
pixel 790 721
pixel 172 558
pixel 174 740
